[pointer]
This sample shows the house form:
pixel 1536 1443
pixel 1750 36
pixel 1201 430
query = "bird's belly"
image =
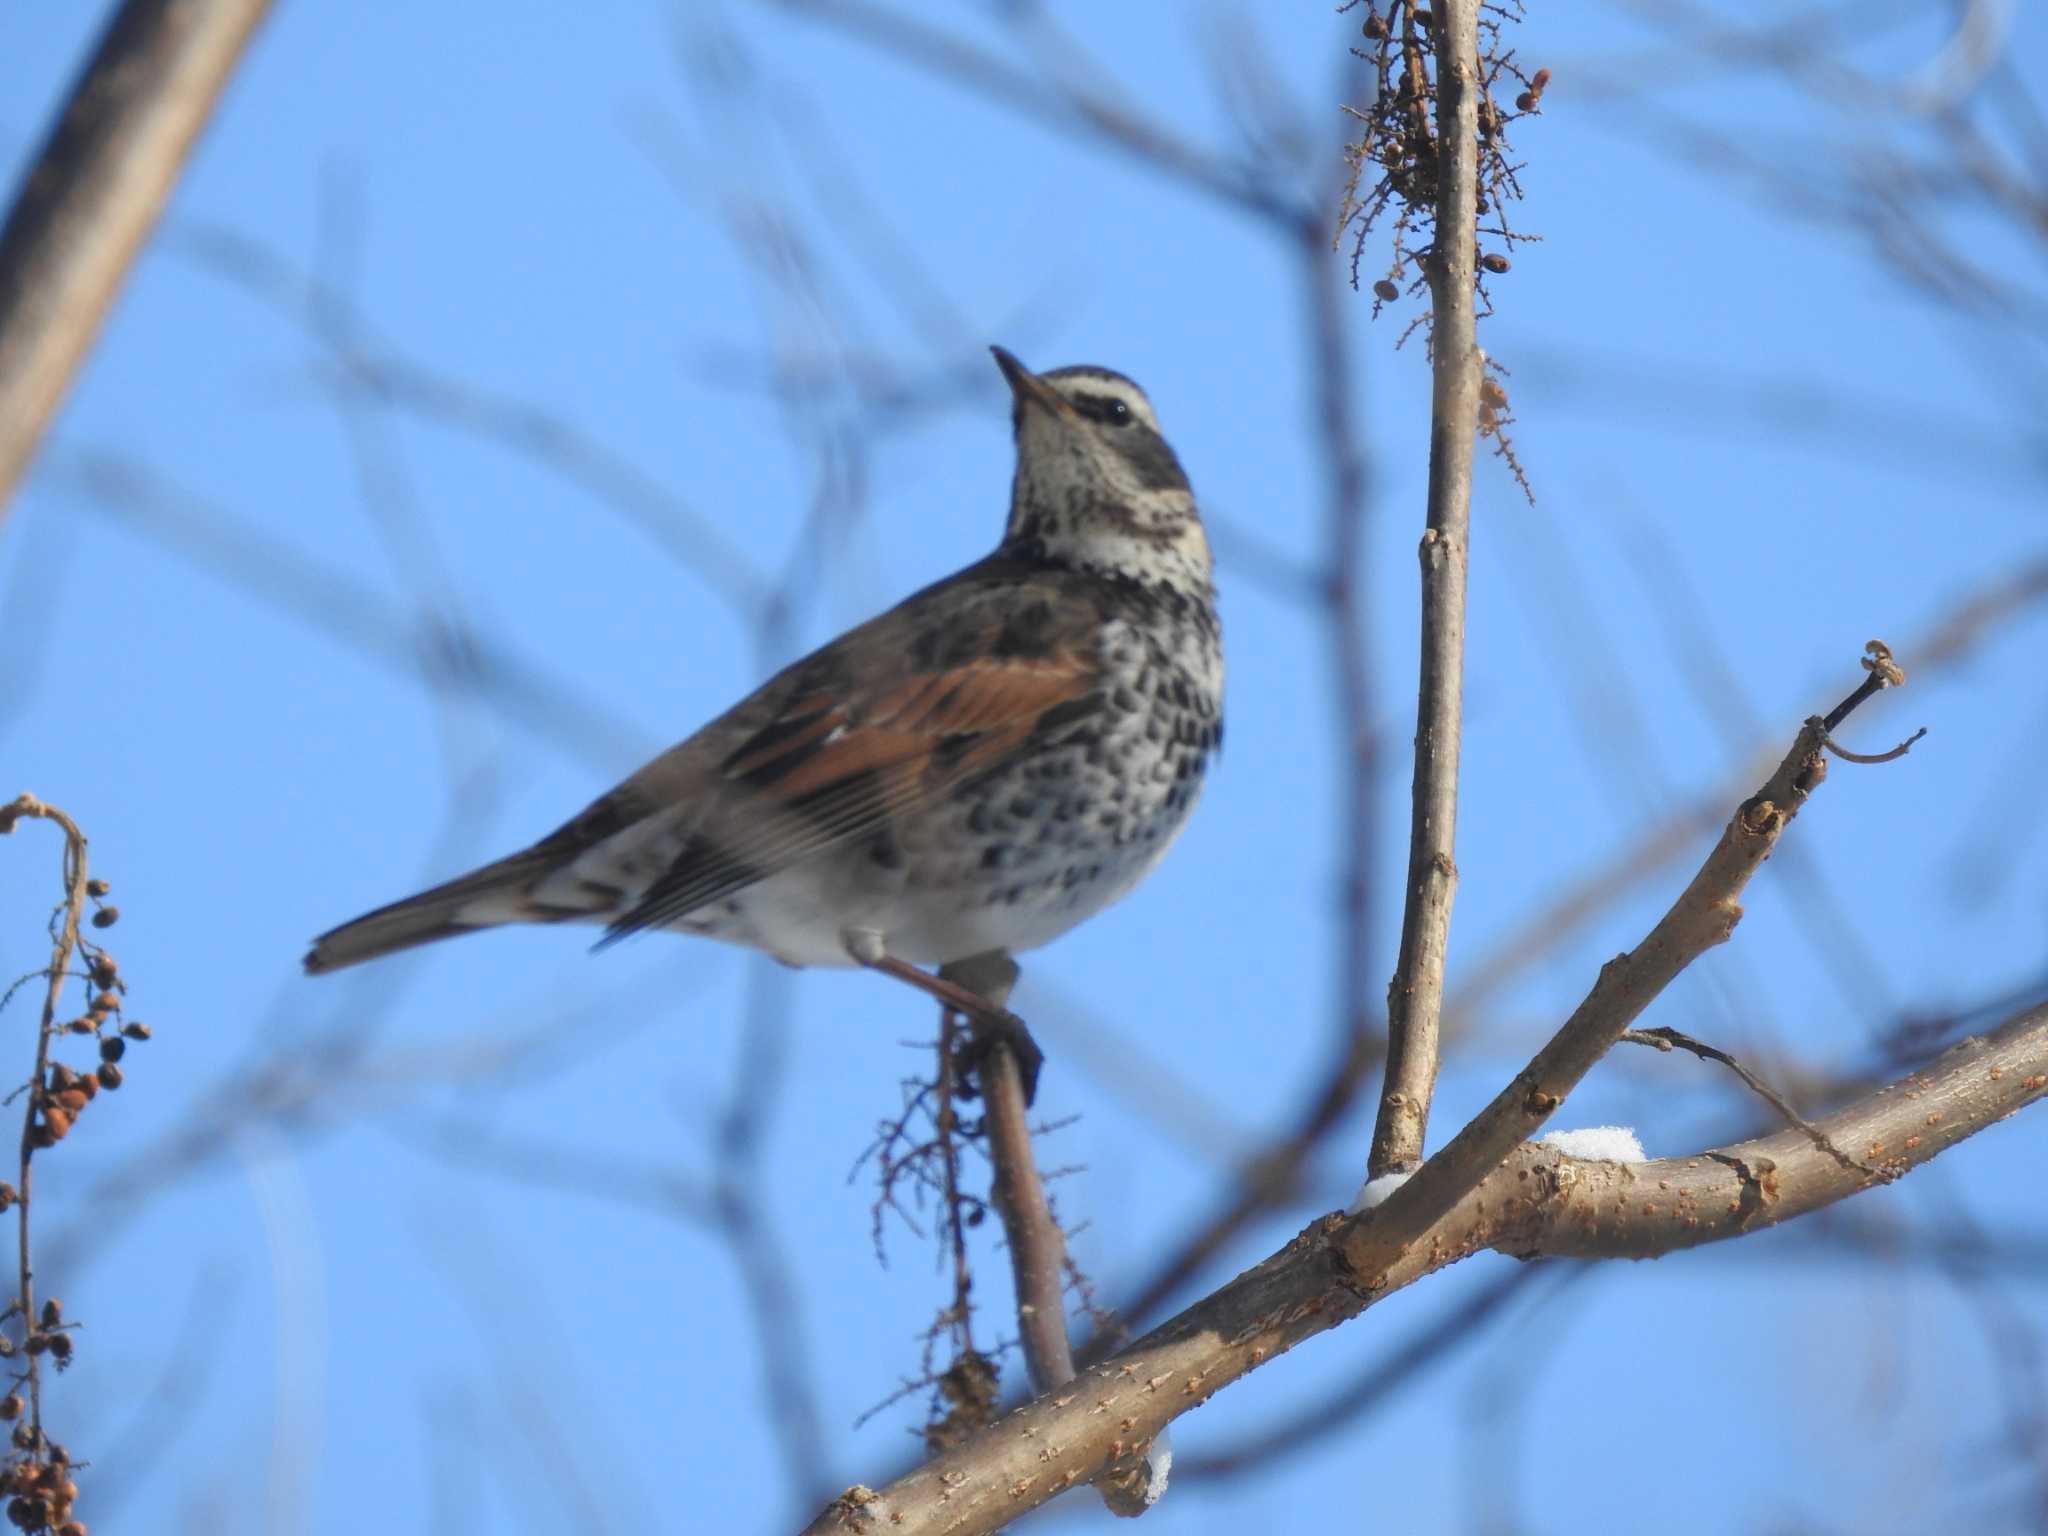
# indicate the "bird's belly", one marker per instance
pixel 1011 864
pixel 941 911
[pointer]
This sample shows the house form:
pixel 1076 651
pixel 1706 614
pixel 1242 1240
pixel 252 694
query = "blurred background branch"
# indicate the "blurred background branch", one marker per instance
pixel 93 195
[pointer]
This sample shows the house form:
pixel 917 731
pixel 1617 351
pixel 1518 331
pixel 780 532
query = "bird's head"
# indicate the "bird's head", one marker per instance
pixel 1097 486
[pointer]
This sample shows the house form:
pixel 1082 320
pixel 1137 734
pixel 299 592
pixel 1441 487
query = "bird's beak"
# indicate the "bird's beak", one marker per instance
pixel 1027 387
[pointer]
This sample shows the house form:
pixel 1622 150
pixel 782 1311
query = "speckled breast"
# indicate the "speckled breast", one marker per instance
pixel 1037 847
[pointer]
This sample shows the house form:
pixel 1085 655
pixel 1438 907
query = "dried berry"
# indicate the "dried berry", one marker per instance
pixel 8 1195
pixel 97 887
pixel 11 1406
pixel 136 1031
pixel 1375 27
pixel 1494 263
pixel 1540 81
pixel 106 1002
pixel 104 972
pixel 106 917
pixel 1385 290
pixel 1526 102
pixel 60 1348
pixel 109 1076
pixel 113 1048
pixel 53 1312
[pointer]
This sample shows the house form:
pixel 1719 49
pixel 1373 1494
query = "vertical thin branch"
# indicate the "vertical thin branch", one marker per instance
pixel 1415 996
pixel 1038 1249
pixel 64 945
pixel 94 192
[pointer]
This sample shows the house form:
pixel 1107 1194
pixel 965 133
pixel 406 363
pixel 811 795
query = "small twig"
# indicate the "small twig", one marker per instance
pixel 1883 672
pixel 1872 757
pixel 64 945
pixel 1665 1038
pixel 953 1213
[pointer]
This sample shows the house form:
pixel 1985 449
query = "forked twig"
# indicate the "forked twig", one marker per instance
pixel 1665 1038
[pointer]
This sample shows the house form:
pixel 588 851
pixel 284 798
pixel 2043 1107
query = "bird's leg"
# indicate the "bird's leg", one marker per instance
pixel 957 987
pixel 990 977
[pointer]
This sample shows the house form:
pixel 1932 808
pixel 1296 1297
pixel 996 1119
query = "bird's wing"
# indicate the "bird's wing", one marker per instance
pixel 852 744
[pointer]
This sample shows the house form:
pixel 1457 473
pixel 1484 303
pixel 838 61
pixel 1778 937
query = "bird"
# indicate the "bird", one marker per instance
pixel 964 777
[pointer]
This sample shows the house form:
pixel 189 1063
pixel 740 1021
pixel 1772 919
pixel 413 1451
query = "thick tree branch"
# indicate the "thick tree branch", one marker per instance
pixel 1487 1189
pixel 1536 1203
pixel 1415 996
pixel 94 193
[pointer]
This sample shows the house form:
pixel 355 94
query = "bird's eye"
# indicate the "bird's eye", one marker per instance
pixel 1104 408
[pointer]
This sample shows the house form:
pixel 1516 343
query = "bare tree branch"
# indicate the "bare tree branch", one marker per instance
pixel 1478 1192
pixel 94 193
pixel 1065 105
pixel 1038 1249
pixel 1537 1203
pixel 1704 915
pixel 1415 996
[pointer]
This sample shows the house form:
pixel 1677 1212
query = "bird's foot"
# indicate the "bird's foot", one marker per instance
pixel 974 987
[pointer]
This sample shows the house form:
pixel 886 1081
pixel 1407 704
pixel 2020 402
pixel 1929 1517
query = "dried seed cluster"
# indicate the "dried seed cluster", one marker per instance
pixel 64 1091
pixel 40 1492
pixel 37 1484
pixel 1394 162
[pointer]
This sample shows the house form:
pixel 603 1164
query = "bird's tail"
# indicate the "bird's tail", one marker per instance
pixel 484 898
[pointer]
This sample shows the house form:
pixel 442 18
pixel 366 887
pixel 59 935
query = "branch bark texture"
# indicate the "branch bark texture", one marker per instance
pixel 1416 994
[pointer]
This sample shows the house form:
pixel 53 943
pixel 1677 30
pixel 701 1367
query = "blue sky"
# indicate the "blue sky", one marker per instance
pixel 434 1293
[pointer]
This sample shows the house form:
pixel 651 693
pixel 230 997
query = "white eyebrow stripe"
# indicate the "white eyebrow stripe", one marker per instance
pixel 1112 389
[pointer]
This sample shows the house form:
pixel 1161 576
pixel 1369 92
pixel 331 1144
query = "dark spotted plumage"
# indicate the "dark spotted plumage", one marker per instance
pixel 990 762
